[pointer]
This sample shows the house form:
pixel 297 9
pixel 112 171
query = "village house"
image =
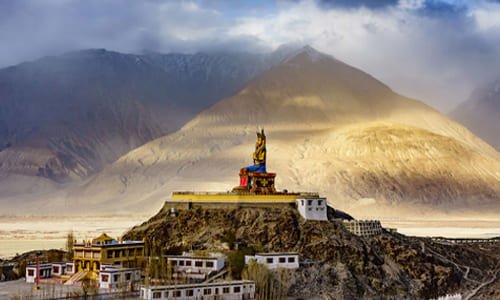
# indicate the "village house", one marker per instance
pixel 196 266
pixel 112 277
pixel 226 290
pixel 283 260
pixel 45 272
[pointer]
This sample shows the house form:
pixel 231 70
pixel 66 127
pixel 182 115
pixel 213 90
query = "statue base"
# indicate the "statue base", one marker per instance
pixel 256 182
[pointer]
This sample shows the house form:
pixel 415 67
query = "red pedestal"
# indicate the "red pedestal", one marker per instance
pixel 256 182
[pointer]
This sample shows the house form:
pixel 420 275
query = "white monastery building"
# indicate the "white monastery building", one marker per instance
pixel 284 260
pixel 312 208
pixel 112 277
pixel 45 272
pixel 227 290
pixel 59 269
pixel 191 265
pixel 49 270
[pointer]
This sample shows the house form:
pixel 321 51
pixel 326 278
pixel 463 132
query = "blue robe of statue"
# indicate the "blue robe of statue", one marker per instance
pixel 257 168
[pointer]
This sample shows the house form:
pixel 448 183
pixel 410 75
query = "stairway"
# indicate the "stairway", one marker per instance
pixel 76 278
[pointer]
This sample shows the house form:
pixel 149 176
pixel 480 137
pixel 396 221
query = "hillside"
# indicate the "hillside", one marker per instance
pixel 332 129
pixel 481 113
pixel 341 265
pixel 64 118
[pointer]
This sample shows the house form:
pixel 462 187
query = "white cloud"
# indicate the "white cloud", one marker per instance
pixel 435 59
pixel 437 54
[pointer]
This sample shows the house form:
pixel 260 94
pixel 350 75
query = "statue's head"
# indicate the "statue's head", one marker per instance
pixel 261 137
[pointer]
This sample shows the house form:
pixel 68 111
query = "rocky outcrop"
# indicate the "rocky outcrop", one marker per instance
pixel 339 264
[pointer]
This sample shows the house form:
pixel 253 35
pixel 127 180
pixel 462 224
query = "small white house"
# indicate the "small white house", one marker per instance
pixel 113 278
pixel 285 260
pixel 70 268
pixel 45 272
pixel 189 263
pixel 58 269
pixel 312 208
pixel 227 290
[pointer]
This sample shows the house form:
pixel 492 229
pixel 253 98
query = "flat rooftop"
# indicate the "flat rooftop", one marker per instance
pixel 197 285
pixel 276 254
pixel 224 197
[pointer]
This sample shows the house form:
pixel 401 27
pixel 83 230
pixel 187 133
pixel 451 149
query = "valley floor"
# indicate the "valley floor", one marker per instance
pixel 22 234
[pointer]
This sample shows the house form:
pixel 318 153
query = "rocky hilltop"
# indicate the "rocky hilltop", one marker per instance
pixel 339 265
pixel 331 129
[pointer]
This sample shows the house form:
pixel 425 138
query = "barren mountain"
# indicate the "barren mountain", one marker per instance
pixel 481 113
pixel 331 128
pixel 66 117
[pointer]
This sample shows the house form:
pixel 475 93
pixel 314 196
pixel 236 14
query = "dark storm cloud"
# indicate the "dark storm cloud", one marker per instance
pixel 428 49
pixel 32 28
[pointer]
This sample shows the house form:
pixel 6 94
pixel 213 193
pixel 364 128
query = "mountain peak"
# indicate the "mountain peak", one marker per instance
pixel 312 53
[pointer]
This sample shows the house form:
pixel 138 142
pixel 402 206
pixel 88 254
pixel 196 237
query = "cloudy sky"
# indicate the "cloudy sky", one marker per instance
pixel 433 50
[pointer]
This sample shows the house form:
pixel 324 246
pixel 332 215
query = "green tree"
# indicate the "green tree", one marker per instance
pixel 269 285
pixel 70 241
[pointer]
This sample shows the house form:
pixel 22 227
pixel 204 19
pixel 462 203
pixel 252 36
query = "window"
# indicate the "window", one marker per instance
pixel 302 202
pixel 269 260
pixel 128 276
pixel 282 260
pixel 188 263
pixel 209 264
pixel 217 291
pixel 177 294
pixel 116 278
pixel 189 293
pixel 320 202
pixel 198 264
pixel 69 268
pixel 156 295
pixel 225 290
pixel 55 269
pixel 181 263
pixel 309 202
pixel 291 259
pixel 236 289
pixel 207 291
pixel 110 254
pixel 31 272
pixel 104 277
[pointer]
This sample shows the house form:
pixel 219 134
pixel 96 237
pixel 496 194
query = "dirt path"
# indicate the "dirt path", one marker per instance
pixel 482 285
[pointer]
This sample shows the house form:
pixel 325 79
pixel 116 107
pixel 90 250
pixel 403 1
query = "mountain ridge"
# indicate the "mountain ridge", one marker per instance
pixel 481 112
pixel 64 117
pixel 305 106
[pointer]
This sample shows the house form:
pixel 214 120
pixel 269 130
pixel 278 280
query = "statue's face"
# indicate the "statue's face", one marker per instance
pixel 260 140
